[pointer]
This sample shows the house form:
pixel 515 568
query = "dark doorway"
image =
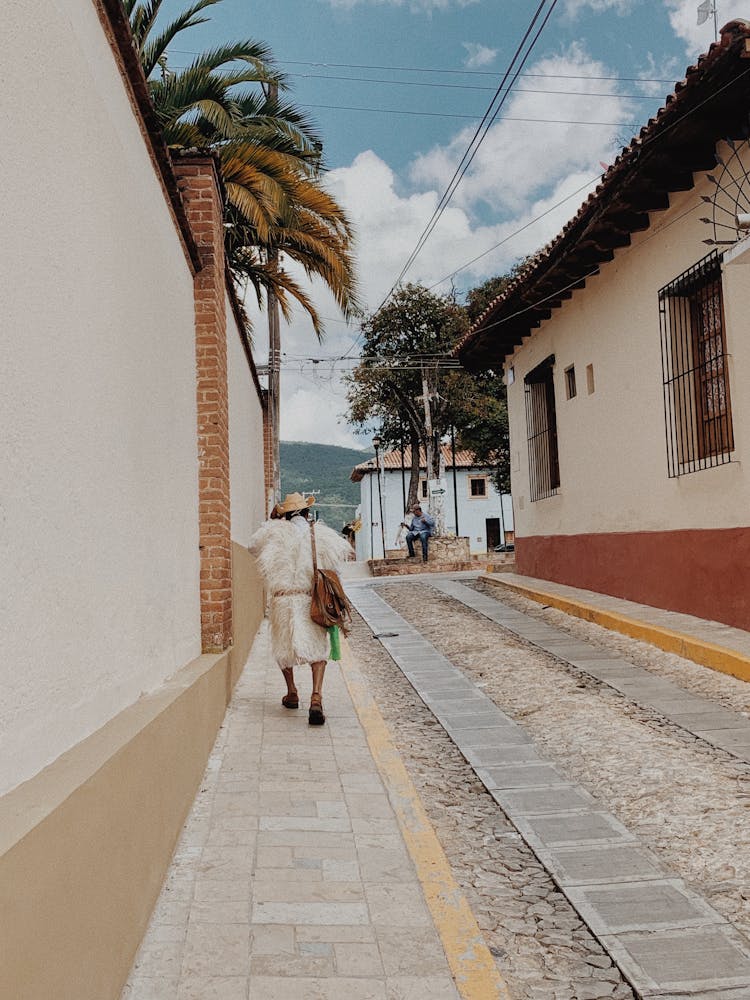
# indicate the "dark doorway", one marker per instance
pixel 492 527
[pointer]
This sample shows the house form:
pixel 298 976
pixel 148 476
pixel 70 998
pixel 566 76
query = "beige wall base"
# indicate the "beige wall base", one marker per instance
pixel 85 845
pixel 248 606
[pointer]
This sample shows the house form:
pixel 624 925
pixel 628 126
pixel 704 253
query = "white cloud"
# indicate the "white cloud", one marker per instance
pixel 508 170
pixel 667 70
pixel 683 16
pixel 521 172
pixel 574 7
pixel 478 55
pixel 415 5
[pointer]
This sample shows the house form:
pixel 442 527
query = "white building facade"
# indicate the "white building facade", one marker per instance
pixel 472 505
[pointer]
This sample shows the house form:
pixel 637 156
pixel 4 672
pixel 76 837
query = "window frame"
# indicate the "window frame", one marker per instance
pixel 695 372
pixel 481 478
pixel 541 431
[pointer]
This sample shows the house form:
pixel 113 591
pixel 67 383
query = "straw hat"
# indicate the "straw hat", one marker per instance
pixel 293 501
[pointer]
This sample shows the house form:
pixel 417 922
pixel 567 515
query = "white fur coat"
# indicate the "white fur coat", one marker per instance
pixel 284 555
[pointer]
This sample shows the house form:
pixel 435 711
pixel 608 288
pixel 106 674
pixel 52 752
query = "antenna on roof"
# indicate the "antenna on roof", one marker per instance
pixel 705 10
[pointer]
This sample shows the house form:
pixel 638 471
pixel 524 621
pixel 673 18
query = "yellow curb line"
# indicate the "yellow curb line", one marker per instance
pixel 728 661
pixel 474 970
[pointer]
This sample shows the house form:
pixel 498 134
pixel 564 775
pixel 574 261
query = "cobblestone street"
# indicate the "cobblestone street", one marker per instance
pixel 684 800
pixel 623 871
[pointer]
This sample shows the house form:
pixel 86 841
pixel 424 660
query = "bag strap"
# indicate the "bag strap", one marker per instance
pixel 314 550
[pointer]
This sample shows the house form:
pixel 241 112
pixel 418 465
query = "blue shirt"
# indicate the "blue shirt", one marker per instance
pixel 423 523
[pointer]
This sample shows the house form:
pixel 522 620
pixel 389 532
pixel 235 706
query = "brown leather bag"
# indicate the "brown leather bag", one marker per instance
pixel 329 605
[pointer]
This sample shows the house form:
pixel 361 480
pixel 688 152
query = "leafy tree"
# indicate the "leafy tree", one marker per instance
pixel 226 101
pixel 413 336
pixel 406 344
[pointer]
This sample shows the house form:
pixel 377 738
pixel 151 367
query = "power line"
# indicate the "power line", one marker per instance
pixel 455 86
pixel 480 134
pixel 644 145
pixel 445 114
pixel 461 72
pixel 465 86
pixel 517 232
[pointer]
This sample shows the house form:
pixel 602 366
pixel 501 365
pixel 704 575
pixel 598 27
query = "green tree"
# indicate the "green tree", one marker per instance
pixel 411 337
pixel 406 346
pixel 271 158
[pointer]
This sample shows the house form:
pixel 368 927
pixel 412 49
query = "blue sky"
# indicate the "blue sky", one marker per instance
pixel 591 79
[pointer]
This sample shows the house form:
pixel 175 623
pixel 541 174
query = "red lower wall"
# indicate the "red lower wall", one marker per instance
pixel 701 572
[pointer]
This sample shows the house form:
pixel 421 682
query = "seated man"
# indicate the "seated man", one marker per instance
pixel 421 527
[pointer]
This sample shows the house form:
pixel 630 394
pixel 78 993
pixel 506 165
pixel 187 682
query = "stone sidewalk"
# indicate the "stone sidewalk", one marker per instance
pixel 699 629
pixel 292 880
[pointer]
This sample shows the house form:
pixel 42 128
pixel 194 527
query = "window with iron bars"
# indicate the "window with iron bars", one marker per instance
pixel 541 428
pixel 697 405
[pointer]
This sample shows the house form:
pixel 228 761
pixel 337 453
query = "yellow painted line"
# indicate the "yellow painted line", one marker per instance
pixel 708 654
pixel 474 970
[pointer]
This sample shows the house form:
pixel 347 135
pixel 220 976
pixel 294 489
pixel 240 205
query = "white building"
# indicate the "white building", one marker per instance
pixel 472 505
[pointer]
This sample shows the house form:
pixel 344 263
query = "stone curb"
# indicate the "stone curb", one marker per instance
pixel 707 654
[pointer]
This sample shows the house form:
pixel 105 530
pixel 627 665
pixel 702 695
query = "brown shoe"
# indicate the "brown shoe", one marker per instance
pixel 290 701
pixel 315 716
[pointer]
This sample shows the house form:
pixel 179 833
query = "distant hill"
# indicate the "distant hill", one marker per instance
pixel 308 468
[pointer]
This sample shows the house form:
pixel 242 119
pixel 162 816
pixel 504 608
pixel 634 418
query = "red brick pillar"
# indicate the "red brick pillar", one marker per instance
pixel 199 182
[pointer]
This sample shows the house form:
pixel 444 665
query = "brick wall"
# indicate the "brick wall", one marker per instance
pixel 198 180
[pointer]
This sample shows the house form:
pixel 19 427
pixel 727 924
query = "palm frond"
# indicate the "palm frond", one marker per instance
pixel 151 51
pixel 142 20
pixel 258 54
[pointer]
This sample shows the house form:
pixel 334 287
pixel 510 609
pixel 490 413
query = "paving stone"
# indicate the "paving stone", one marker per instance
pixel 595 864
pixel 488 738
pixel 514 753
pixel 537 801
pixel 338 988
pixel 522 776
pixel 573 829
pixel 712 718
pixel 657 905
pixel 690 961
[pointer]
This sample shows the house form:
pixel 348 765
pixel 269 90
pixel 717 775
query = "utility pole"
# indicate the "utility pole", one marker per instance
pixel 274 354
pixel 437 507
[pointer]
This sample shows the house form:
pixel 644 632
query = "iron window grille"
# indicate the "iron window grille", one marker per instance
pixel 541 428
pixel 697 406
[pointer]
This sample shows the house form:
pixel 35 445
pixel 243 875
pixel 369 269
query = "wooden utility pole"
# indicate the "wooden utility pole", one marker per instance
pixel 434 468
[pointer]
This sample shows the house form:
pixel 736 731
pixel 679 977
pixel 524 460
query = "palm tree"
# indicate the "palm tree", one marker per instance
pixel 270 157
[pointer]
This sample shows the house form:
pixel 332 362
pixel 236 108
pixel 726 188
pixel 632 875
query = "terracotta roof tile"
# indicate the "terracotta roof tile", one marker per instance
pixel 687 96
pixel 392 460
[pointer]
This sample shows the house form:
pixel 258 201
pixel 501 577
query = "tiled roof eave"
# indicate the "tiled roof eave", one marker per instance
pixel 637 184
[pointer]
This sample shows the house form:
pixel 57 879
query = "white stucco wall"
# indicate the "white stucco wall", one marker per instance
pixel 472 511
pixel 245 440
pixel 613 461
pixel 99 594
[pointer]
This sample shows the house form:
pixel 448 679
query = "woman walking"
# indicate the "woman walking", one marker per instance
pixel 283 548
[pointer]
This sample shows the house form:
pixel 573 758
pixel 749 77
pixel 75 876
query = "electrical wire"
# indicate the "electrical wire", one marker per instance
pixel 494 108
pixel 451 86
pixel 473 118
pixel 461 72
pixel 644 145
